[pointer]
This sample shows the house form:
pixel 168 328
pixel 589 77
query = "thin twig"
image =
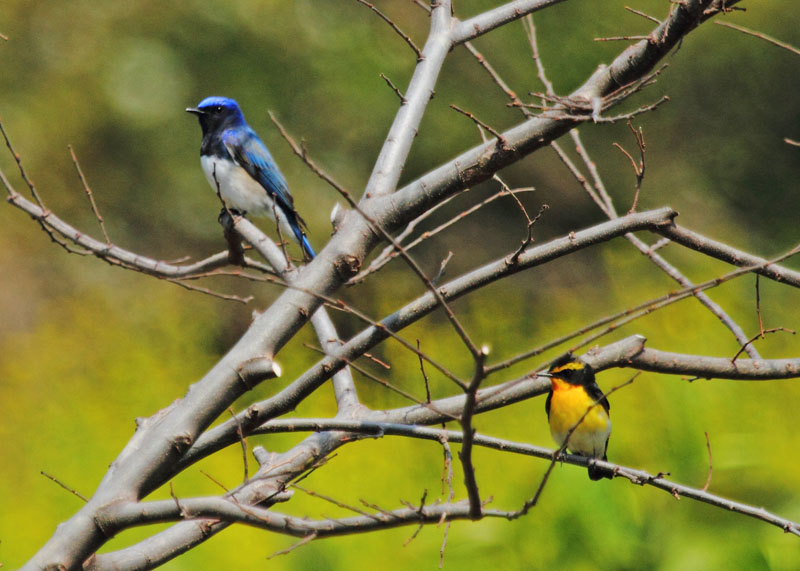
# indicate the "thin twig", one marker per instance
pixel 501 141
pixel 760 35
pixel 465 455
pixel 638 169
pixel 240 433
pixel 643 15
pixel 394 88
pixel 386 384
pixel 444 542
pixel 227 297
pixel 447 465
pixel 622 38
pixel 63 485
pixel 23 173
pixel 421 523
pixel 307 539
pixel 89 193
pixel 213 479
pixel 424 375
pixel 330 499
pixel 758 307
pixel 342 306
pixel 442 267
pixel 710 464
pixel 493 74
pixel 181 511
pixel 390 253
pixel 395 27
pixel 514 258
pixel 16 199
pixel 398 390
pixel 597 180
pixel 301 152
pixel 530 31
pixel 760 335
pixel 626 316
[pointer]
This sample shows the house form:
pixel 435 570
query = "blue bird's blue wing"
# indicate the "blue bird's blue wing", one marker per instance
pixel 249 152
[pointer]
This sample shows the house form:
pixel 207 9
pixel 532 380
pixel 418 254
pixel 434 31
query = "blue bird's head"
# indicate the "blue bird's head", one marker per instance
pixel 217 113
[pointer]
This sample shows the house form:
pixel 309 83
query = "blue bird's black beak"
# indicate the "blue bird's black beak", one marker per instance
pixel 195 110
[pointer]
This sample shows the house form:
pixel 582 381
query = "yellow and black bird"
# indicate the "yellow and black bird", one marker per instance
pixel 573 392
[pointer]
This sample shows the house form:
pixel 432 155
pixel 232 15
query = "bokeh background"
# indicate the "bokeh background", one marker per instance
pixel 86 348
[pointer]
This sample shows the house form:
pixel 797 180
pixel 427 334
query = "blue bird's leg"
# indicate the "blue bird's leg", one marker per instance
pixel 234 240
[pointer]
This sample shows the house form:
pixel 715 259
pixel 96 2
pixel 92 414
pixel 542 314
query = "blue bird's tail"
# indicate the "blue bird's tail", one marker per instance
pixel 308 251
pixel 296 224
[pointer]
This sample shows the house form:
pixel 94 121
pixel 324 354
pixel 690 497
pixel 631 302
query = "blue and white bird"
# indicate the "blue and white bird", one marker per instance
pixel 237 163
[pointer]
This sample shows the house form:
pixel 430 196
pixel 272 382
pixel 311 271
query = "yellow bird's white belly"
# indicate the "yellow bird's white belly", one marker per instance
pixel 567 405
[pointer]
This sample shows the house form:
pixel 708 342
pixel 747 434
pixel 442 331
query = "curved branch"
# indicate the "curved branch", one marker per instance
pixel 233 511
pixel 714 367
pixel 286 400
pixel 216 508
pixel 113 254
pixel 733 256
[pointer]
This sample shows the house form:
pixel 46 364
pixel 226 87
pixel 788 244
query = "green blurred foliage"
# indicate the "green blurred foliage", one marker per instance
pixel 85 348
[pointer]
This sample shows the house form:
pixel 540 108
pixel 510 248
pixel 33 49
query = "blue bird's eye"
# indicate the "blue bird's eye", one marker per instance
pixel 218 109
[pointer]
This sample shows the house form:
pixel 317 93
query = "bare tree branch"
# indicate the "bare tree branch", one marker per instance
pixel 231 511
pixel 760 35
pixel 720 251
pixel 343 386
pixel 288 398
pixel 480 163
pixel 180 435
pixel 394 152
pixel 488 21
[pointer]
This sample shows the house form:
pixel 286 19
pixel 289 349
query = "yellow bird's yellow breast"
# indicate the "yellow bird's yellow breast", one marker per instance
pixel 567 405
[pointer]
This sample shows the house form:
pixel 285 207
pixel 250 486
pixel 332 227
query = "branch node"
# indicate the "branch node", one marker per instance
pixel 258 369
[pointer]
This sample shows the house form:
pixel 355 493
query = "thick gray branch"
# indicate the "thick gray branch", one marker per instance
pixel 481 162
pixel 343 385
pixel 715 367
pixel 726 253
pixel 487 21
pixel 114 254
pixel 392 158
pixel 287 399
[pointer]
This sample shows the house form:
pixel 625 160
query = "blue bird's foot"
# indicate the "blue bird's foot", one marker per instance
pixel 235 247
pixel 225 219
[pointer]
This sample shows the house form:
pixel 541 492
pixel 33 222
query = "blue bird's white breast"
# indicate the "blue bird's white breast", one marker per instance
pixel 238 189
